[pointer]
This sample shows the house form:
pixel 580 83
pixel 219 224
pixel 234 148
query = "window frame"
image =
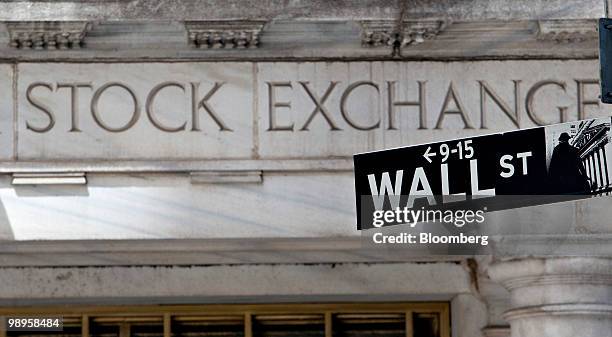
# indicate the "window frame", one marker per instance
pixel 83 315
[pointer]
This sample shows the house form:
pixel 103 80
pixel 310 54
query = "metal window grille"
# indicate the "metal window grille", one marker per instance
pixel 265 320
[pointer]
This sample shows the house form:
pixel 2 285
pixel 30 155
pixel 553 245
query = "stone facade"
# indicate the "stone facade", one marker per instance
pixel 218 144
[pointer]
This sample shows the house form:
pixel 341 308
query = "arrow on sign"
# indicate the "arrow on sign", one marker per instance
pixel 427 154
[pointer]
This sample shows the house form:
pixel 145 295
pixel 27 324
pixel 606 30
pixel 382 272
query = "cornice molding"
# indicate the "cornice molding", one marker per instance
pixel 194 251
pixel 552 270
pixel 559 279
pixel 567 31
pixel 186 10
pixel 568 309
pixel 47 34
pixel 415 39
pixel 224 34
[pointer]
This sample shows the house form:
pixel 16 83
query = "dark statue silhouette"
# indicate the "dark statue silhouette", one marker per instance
pixel 567 173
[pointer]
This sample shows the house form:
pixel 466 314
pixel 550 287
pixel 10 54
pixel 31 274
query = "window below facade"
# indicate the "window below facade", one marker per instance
pixel 263 320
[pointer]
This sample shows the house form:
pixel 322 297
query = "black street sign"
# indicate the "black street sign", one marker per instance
pixel 536 166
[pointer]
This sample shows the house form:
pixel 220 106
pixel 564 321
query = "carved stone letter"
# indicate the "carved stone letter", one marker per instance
pixel 41 107
pixel 74 102
pixel 582 101
pixel 486 90
pixel 531 95
pixel 319 106
pixel 452 95
pixel 203 103
pixel 273 104
pixel 420 103
pixel 344 111
pixel 149 107
pixel 96 113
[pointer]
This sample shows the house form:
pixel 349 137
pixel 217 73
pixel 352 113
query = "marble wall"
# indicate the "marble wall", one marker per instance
pixel 225 110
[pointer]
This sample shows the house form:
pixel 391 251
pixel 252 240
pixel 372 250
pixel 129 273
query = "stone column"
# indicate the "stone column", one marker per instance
pixel 557 296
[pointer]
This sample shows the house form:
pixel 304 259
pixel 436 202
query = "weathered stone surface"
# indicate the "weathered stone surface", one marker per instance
pixel 418 38
pixel 562 296
pixel 302 110
pixel 6 113
pixel 47 34
pixel 219 283
pixel 131 111
pixel 201 10
pixel 375 105
pixel 468 305
pixel 224 34
pixel 169 206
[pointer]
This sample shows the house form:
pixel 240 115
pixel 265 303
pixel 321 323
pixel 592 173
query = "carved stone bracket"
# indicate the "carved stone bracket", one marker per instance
pixel 47 34
pixel 378 33
pixel 386 32
pixel 224 34
pixel 415 32
pixel 566 31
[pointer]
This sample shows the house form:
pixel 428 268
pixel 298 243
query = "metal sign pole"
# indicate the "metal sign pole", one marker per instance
pixel 605 53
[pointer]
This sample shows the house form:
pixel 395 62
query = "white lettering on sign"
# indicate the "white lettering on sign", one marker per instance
pixel 506 163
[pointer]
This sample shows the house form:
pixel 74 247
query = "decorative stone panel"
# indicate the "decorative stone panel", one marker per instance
pixel 48 34
pixel 224 34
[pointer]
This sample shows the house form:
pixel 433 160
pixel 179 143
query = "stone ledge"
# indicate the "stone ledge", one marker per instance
pixel 529 267
pixel 569 309
pixel 199 252
pixel 178 166
pixel 430 280
pixel 556 279
pixel 496 331
pixel 577 244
